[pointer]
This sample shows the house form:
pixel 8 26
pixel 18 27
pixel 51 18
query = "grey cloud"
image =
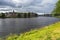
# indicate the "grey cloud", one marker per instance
pixel 31 5
pixel 6 3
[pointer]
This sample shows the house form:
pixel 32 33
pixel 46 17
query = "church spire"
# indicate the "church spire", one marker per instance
pixel 13 11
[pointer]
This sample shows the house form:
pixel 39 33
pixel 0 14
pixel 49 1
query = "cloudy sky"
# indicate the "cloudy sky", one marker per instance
pixel 39 6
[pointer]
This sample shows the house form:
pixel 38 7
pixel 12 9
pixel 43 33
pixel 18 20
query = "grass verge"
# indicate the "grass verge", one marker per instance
pixel 57 16
pixel 51 32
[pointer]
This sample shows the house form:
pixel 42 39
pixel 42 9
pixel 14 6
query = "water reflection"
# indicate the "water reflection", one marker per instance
pixel 18 25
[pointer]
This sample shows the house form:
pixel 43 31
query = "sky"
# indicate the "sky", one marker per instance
pixel 38 6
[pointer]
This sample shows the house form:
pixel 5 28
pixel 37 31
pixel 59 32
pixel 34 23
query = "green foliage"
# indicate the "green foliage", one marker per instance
pixel 29 15
pixel 58 39
pixel 3 15
pixel 56 11
pixel 19 15
pixel 25 15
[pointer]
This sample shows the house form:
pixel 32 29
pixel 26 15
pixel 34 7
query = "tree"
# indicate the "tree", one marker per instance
pixel 36 15
pixel 3 15
pixel 29 15
pixel 19 15
pixel 56 11
pixel 25 15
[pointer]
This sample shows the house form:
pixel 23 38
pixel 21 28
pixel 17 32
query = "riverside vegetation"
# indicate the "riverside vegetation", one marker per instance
pixel 56 11
pixel 51 32
pixel 18 15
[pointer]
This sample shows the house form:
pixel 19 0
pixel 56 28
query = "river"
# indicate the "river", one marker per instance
pixel 19 25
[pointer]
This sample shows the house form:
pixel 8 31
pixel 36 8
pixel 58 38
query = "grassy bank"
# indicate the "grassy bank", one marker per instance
pixel 51 32
pixel 58 16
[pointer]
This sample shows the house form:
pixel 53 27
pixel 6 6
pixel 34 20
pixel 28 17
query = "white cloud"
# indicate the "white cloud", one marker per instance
pixel 28 5
pixel 21 2
pixel 48 1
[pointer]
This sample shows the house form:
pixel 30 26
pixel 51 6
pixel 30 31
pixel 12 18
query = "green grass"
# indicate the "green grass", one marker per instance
pixel 58 16
pixel 51 32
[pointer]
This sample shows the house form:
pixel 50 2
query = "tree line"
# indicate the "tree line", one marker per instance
pixel 18 15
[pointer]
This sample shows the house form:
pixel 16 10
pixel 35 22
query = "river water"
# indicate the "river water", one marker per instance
pixel 19 25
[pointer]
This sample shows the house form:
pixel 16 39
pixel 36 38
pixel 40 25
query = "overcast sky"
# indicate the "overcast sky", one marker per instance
pixel 39 6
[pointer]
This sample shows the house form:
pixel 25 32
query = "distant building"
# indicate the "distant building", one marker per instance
pixel 11 14
pixel 14 14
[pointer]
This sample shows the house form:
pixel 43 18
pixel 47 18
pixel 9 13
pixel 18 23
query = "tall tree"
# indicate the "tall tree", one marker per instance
pixel 19 15
pixel 29 15
pixel 56 11
pixel 3 15
pixel 25 15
